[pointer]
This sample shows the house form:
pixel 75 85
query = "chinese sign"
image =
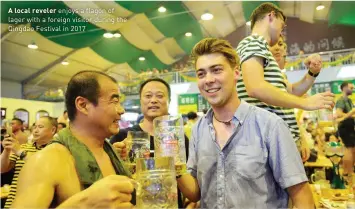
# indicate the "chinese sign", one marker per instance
pixel 192 102
pixel 336 86
pixel 187 103
pixel 333 86
pixel 202 104
pixel 324 44
pixel 320 87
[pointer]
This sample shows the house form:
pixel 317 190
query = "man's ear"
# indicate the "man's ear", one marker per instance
pixel 82 104
pixel 236 72
pixel 54 130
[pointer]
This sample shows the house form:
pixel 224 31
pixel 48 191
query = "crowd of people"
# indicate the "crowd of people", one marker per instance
pixel 247 151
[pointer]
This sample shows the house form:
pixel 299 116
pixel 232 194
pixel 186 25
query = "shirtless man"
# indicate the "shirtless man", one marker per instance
pixel 79 168
pixel 17 126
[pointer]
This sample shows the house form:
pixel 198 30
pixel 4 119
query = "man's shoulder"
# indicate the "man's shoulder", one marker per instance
pixel 341 99
pixel 53 153
pixel 200 124
pixel 340 103
pixel 260 114
pixel 250 40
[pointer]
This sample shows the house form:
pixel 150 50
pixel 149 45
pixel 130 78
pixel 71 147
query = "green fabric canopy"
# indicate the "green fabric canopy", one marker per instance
pixel 159 37
pixel 342 12
pixel 174 23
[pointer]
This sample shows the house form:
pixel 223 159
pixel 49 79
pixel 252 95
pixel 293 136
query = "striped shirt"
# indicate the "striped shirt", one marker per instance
pixel 30 148
pixel 255 45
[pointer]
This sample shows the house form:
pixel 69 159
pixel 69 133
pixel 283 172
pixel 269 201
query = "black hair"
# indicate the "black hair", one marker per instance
pixel 52 121
pixel 327 136
pixel 157 80
pixel 63 124
pixel 18 120
pixel 65 111
pixel 344 84
pixel 191 115
pixel 84 84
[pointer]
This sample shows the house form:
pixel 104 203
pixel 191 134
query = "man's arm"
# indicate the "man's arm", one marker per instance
pixel 302 86
pixel 187 183
pixel 39 178
pixel 301 196
pixel 286 165
pixel 342 116
pixel 12 149
pixel 257 87
pixel 46 171
pixel 314 64
pixel 6 163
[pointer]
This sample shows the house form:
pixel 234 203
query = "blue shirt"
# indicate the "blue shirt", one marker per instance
pixel 259 161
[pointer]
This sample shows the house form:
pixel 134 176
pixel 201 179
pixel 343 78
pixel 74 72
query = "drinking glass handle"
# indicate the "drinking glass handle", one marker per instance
pixel 313 178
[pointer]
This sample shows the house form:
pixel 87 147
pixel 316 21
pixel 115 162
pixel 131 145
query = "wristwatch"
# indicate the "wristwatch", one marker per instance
pixel 313 74
pixel 23 155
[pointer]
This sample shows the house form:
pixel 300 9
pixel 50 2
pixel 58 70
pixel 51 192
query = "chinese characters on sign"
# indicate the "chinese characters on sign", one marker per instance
pixel 324 44
pixel 192 102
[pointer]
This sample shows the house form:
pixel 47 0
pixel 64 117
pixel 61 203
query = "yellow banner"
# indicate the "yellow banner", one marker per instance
pixel 184 109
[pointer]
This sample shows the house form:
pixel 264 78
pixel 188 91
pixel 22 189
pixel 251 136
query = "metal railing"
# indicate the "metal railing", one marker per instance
pixel 330 59
pixel 334 58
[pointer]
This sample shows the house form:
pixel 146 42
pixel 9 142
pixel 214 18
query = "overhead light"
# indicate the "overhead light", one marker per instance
pixel 116 35
pixel 248 23
pixel 108 35
pixel 188 34
pixel 320 7
pixel 65 63
pixel 162 9
pixel 141 58
pixel 135 107
pixel 207 16
pixel 32 46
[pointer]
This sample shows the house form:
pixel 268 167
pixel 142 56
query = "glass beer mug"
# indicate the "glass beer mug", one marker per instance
pixel 156 183
pixel 138 146
pixel 169 140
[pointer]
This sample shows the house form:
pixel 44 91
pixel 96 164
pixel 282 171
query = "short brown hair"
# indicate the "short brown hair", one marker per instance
pixel 265 8
pixel 214 45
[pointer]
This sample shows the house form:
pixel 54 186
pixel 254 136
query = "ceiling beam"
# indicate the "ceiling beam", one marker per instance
pixel 107 70
pixel 5 34
pixel 48 67
pixel 307 11
pixel 18 65
pixel 193 16
pixel 231 15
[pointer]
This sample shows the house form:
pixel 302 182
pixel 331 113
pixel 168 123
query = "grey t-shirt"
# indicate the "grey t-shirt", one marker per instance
pixel 346 105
